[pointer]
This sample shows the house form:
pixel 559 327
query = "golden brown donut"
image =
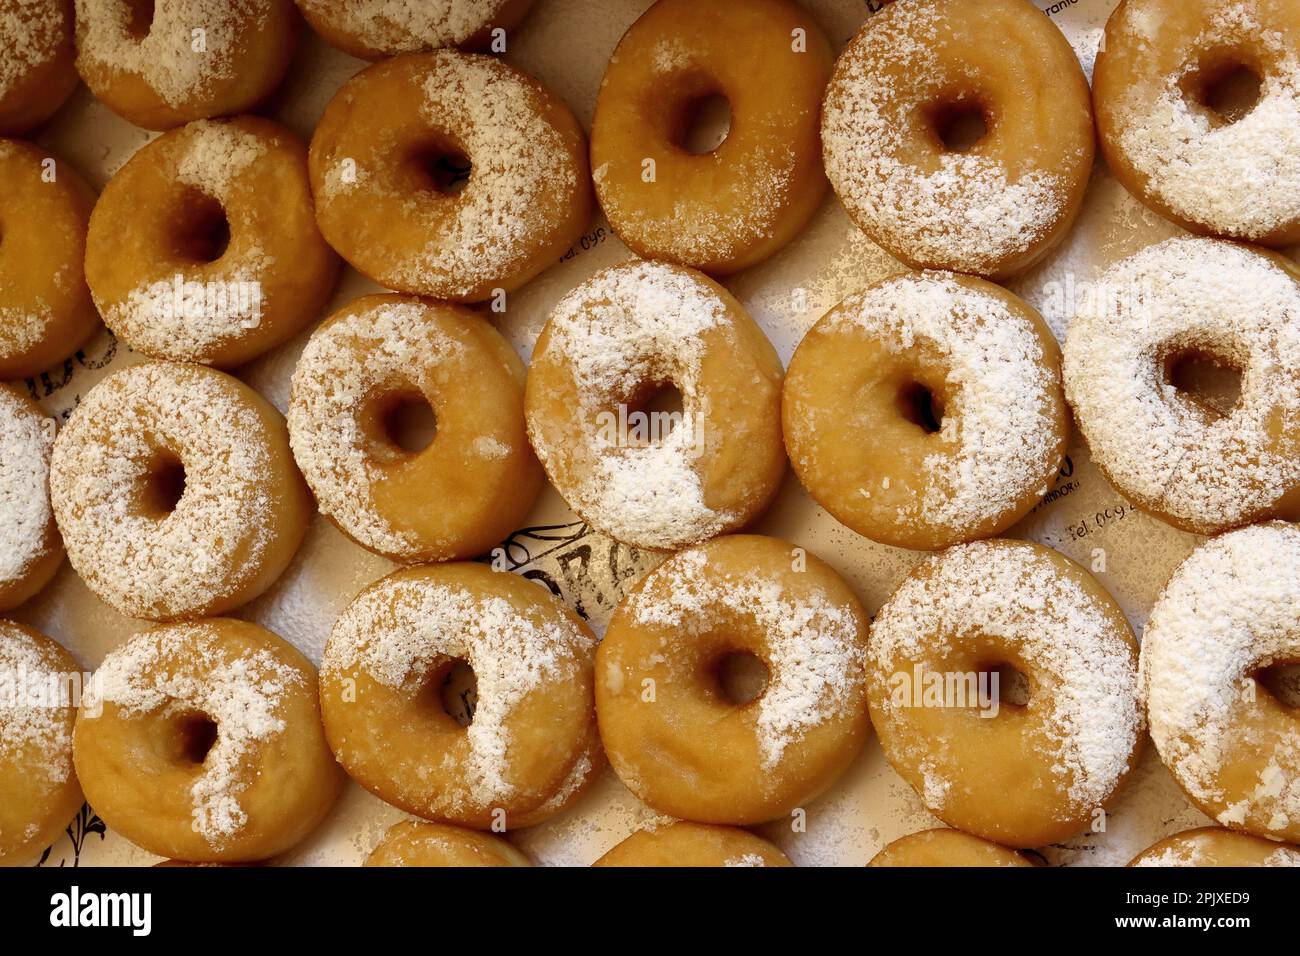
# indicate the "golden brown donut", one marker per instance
pixel 37 71
pixel 946 848
pixel 374 29
pixel 1211 846
pixel 30 547
pixel 433 844
pixel 694 845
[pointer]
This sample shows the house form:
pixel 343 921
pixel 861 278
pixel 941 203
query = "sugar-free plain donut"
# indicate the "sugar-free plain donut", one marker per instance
pixel 1225 618
pixel 733 206
pixel 176 493
pixel 1210 846
pixel 204 246
pixel 434 844
pixel 464 492
pixel 385 666
pixel 657 479
pixel 694 845
pixel 171 61
pixel 1019 772
pixel 920 81
pixel 374 29
pixel 1181 126
pixel 37 71
pixel 388 165
pixel 674 734
pixel 202 741
pixel 927 410
pixel 946 848
pixel 30 547
pixel 1185 457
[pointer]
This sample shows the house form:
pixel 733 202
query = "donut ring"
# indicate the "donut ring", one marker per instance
pixel 478 478
pixel 202 742
pixel 918 72
pixel 610 346
pixel 1156 85
pixel 1210 846
pixel 946 848
pixel 927 411
pixel 374 29
pixel 1228 614
pixel 671 732
pixel 148 70
pixel 161 282
pixel 1200 467
pixel 30 547
pixel 45 308
pixel 685 844
pixel 36 62
pixel 176 493
pixel 527 199
pixel 398 642
pixel 432 844
pixel 1034 773
pixel 730 208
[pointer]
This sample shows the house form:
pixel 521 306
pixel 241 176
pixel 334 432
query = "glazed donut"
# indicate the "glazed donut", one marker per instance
pixel 917 77
pixel 37 72
pixel 1226 616
pixel 46 312
pixel 478 478
pixel 927 411
pixel 432 844
pixel 148 63
pixel 946 848
pixel 30 547
pixel 202 741
pixel 375 29
pixel 609 347
pixel 1171 131
pixel 204 247
pixel 731 207
pixel 176 493
pixel 39 792
pixel 396 645
pixel 694 844
pixel 1029 772
pixel 379 160
pixel 1203 467
pixel 1210 846
pixel 673 733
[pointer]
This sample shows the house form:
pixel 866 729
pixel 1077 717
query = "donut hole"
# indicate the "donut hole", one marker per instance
pixel 921 406
pixel 1282 682
pixel 164 485
pixel 1224 88
pixel 409 422
pixel 140 14
pixel 200 230
pixel 651 415
pixel 741 676
pixel 195 736
pixel 1209 381
pixel 960 125
pixel 441 167
pixel 1007 683
pixel 702 123
pixel 454 687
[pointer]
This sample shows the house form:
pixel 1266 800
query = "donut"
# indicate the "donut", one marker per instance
pixel 734 205
pixel 471 486
pixel 39 792
pixel 675 733
pixel 176 493
pixel 657 479
pixel 946 848
pixel 432 844
pixel 1225 618
pixel 530 723
pixel 695 845
pixel 1181 126
pixel 167 62
pixel 959 136
pixel 449 175
pixel 374 29
pixel 37 72
pixel 30 547
pixel 204 246
pixel 1020 772
pixel 46 312
pixel 1211 846
pixel 202 741
pixel 927 411
pixel 1200 464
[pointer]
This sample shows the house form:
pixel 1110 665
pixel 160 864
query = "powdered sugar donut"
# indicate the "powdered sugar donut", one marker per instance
pixel 927 410
pixel 1196 463
pixel 176 493
pixel 204 246
pixel 378 28
pixel 36 62
pixel 433 844
pixel 1210 846
pixel 946 848
pixel 917 84
pixel 1226 616
pixel 1022 771
pixel 30 547
pixel 685 844
pixel 657 479
pixel 398 142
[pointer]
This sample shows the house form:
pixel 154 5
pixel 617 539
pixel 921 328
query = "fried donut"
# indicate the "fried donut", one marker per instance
pixel 1225 618
pixel 1210 846
pixel 390 154
pixel 37 72
pixel 202 741
pixel 30 547
pixel 389 656
pixel 731 207
pixel 675 735
pixel 1020 773
pixel 39 792
pixel 1203 465
pixel 46 312
pixel 914 87
pixel 946 848
pixel 176 493
pixel 432 844
pixel 1175 128
pixel 694 844
pixel 165 63
pixel 611 346
pixel 374 29
pixel 927 411
pixel 477 479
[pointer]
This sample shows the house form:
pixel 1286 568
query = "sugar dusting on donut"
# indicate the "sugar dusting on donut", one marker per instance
pixel 21 328
pixel 38 735
pixel 406 26
pixel 1197 849
pixel 26 441
pixel 30 34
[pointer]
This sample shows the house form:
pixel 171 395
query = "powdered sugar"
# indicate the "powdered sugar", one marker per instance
pixel 26 441
pixel 31 32
pixel 405 26
pixel 35 737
